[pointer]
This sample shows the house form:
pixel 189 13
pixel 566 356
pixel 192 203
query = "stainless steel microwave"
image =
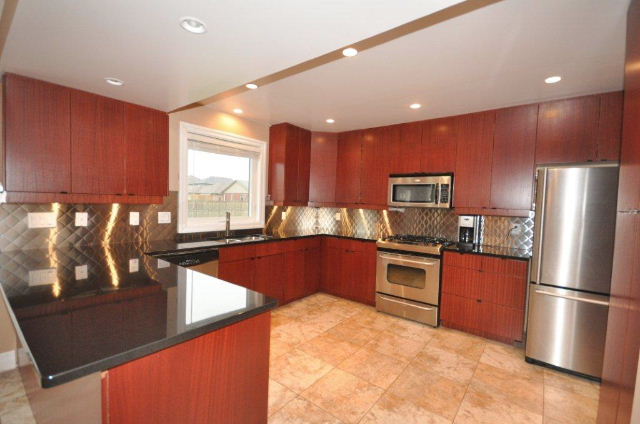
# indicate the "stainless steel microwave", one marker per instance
pixel 421 190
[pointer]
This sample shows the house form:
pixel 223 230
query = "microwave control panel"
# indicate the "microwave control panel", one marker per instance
pixel 444 193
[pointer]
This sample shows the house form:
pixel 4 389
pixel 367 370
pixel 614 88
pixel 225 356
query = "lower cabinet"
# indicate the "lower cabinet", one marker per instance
pixel 349 269
pixel 484 295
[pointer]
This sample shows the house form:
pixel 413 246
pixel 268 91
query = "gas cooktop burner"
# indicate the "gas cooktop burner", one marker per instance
pixel 413 243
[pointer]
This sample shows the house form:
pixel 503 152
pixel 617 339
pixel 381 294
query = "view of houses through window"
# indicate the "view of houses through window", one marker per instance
pixel 218 183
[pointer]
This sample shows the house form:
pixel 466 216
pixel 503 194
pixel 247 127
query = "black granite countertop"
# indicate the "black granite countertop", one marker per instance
pixel 502 252
pixel 88 309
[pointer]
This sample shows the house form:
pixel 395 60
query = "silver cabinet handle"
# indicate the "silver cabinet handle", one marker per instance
pixel 576 298
pixel 406 260
pixel 405 304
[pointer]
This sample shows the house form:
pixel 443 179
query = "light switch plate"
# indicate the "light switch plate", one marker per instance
pixel 134 265
pixel 82 219
pixel 162 264
pixel 42 220
pixel 164 217
pixel 337 216
pixel 43 277
pixel 134 218
pixel 82 272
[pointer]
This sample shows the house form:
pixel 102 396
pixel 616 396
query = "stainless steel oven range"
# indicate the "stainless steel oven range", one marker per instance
pixel 408 277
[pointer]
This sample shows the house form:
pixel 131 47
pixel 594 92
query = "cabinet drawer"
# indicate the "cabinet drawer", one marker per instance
pixel 461 312
pixel 462 282
pixel 310 243
pixel 466 260
pixel 269 248
pixel 503 290
pixel 237 253
pixel 505 266
pixel 335 243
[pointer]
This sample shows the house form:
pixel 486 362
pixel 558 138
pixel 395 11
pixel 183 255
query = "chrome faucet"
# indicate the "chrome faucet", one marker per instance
pixel 227 225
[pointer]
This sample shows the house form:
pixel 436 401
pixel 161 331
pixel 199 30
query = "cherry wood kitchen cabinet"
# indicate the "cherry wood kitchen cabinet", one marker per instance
pixel 610 126
pixel 322 174
pixel 374 175
pixel 439 146
pixel 404 142
pixel 270 276
pixel 37 143
pixel 98 148
pixel 289 164
pixel 513 158
pixel 472 179
pixel 65 145
pixel 312 265
pixel 237 265
pixel 484 295
pixel 220 377
pixel 567 130
pixel 348 168
pixel 147 154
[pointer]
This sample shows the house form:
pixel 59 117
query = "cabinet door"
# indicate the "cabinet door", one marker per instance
pixel 374 177
pixel 238 272
pixel 37 136
pixel 97 144
pixel 312 270
pixel 367 290
pixel 439 145
pixel 351 266
pixel 628 192
pixel 512 172
pixel 322 174
pixel 610 126
pixel 348 167
pixel 303 139
pixel 294 275
pixel 147 144
pixel 567 130
pixel 331 269
pixel 405 145
pixel 269 276
pixel 472 180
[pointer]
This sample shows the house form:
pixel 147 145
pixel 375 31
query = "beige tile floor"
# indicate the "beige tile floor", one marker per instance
pixel 336 361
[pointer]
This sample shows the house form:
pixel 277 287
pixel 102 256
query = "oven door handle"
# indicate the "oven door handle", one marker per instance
pixel 389 299
pixel 406 260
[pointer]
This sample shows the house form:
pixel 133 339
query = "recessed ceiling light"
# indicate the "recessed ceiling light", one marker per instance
pixel 552 80
pixel 238 111
pixel 251 86
pixel 415 105
pixel 193 25
pixel 349 52
pixel 330 120
pixel 114 81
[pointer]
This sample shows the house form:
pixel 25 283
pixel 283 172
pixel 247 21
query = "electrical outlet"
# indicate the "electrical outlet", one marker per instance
pixel 164 217
pixel 82 219
pixel 41 219
pixel 516 230
pixel 82 272
pixel 134 218
pixel 283 216
pixel 162 264
pixel 337 216
pixel 134 265
pixel 43 277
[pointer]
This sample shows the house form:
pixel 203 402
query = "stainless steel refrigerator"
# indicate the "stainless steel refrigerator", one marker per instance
pixel 571 266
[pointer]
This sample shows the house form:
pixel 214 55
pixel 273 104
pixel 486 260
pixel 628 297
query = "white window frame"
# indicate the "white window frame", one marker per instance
pixel 258 181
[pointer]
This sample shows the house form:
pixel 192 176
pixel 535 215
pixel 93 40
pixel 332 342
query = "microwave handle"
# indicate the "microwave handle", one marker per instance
pixel 437 196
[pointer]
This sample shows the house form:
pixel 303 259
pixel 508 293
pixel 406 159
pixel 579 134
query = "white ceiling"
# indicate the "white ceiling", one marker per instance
pixel 493 57
pixel 78 43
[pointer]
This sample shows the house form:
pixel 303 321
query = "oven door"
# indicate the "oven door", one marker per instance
pixel 408 276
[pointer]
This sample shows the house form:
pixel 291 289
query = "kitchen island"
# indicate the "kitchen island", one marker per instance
pixel 109 334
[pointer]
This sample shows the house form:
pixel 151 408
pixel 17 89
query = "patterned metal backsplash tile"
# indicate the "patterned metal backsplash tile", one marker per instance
pixel 373 224
pixel 107 223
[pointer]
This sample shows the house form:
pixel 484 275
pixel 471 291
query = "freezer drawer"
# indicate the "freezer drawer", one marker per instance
pixel 567 328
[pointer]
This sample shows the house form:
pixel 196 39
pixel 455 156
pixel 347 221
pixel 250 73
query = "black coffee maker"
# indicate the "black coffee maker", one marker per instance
pixel 468 232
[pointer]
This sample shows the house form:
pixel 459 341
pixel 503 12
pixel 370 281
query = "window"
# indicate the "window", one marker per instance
pixel 219 173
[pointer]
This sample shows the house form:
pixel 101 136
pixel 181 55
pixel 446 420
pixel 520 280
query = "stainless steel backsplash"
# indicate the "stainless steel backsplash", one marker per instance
pixel 373 224
pixel 110 224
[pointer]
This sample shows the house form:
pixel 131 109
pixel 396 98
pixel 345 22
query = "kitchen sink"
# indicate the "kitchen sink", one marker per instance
pixel 254 237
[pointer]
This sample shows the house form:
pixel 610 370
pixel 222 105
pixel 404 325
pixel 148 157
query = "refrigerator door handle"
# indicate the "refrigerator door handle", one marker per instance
pixel 541 188
pixel 576 298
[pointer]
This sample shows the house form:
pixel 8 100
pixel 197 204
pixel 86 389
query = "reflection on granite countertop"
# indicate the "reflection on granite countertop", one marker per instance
pixel 88 309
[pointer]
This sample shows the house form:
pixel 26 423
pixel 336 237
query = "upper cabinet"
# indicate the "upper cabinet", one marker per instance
pixel 66 145
pixel 439 145
pixel 374 175
pixel 37 136
pixel 472 178
pixel 289 164
pixel 512 166
pixel 348 167
pixel 322 174
pixel 580 129
pixel 404 145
